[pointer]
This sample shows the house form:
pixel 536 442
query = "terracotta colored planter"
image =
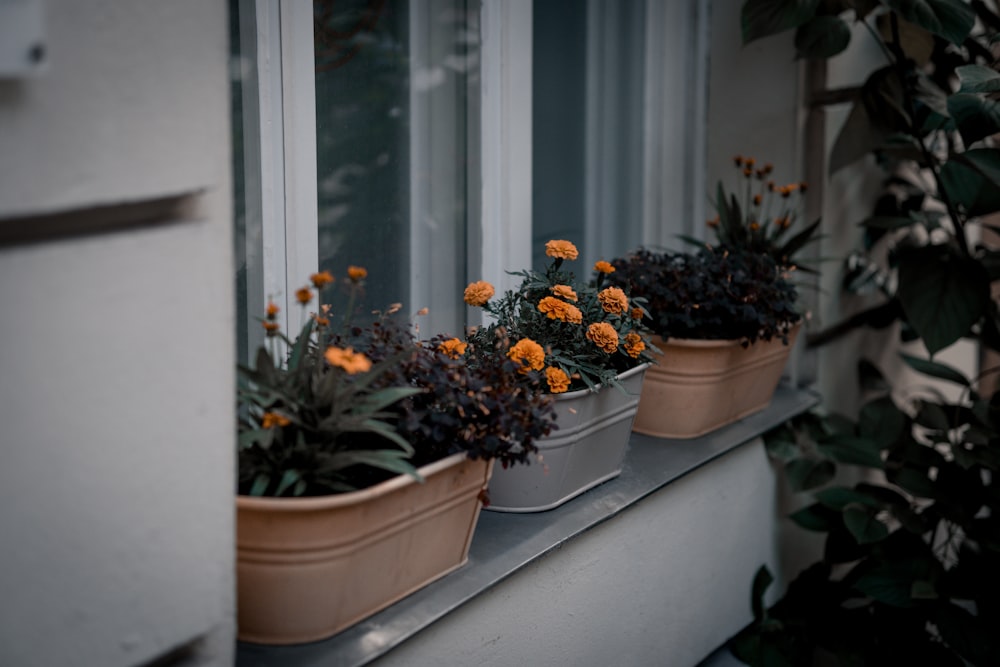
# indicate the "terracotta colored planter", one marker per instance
pixel 586 450
pixel 310 567
pixel 701 385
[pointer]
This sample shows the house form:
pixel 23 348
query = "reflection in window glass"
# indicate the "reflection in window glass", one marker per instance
pixel 587 115
pixel 392 81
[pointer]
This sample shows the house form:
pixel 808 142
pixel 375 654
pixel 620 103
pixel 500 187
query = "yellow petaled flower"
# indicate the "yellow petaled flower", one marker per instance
pixel 271 310
pixel 604 336
pixel 637 313
pixel 347 359
pixel 357 273
pixel 613 300
pixel 271 327
pixel 557 379
pixel 564 292
pixel 634 344
pixel 529 354
pixel 321 280
pixel 604 267
pixel 561 250
pixel 478 293
pixel 303 295
pixel 272 419
pixel 452 347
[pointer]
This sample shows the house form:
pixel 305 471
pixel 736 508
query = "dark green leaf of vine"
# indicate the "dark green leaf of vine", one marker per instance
pixel 942 294
pixel 821 37
pixel 951 19
pixel 863 525
pixel 976 117
pixel 978 79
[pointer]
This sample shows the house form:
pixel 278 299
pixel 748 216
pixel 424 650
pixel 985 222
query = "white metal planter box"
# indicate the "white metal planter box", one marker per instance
pixel 587 449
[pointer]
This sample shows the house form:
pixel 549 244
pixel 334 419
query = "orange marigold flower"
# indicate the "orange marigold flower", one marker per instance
pixel 452 347
pixel 271 327
pixel 322 279
pixel 271 310
pixel 604 336
pixel 529 354
pixel 321 321
pixel 303 295
pixel 347 359
pixel 478 293
pixel 272 419
pixel 557 379
pixel 555 309
pixel 357 273
pixel 565 292
pixel 604 267
pixel 750 162
pixel 561 250
pixel 637 313
pixel 613 300
pixel 634 344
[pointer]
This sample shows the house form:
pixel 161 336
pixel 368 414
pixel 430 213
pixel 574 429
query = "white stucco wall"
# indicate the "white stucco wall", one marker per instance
pixel 664 583
pixel 116 362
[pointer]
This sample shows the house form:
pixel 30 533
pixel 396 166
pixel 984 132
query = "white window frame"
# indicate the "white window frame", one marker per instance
pixel 286 173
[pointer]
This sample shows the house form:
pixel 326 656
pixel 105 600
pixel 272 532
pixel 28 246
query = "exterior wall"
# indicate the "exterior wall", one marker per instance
pixel 664 583
pixel 117 357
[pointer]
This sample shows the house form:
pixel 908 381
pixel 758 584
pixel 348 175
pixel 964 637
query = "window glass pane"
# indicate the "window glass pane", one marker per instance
pixel 392 82
pixel 587 97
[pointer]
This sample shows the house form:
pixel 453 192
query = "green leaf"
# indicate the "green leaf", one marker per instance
pixel 978 79
pixel 976 117
pixel 288 479
pixel 839 497
pixel 761 18
pixel 260 484
pixel 816 518
pixel 805 474
pixel 761 581
pixel 951 19
pixel 382 398
pixel 968 188
pixel 887 584
pixel 800 240
pixel 864 527
pixel 914 482
pixel 986 161
pixel 388 433
pixel 386 459
pixel 881 422
pixel 821 37
pixel 847 449
pixel 300 346
pixel 935 369
pixel 942 294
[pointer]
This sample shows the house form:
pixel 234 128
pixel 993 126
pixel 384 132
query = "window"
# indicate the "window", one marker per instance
pixel 435 142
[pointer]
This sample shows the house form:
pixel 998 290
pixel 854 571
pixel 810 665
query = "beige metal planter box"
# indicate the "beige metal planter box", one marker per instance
pixel 310 567
pixel 701 385
pixel 587 449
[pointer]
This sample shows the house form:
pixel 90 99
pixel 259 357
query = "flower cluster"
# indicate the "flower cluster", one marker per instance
pixel 342 408
pixel 760 218
pixel 716 293
pixel 573 335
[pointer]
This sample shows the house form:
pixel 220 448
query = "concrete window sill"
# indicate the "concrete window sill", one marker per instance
pixel 506 543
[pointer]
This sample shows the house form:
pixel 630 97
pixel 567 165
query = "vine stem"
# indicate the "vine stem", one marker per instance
pixel 899 63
